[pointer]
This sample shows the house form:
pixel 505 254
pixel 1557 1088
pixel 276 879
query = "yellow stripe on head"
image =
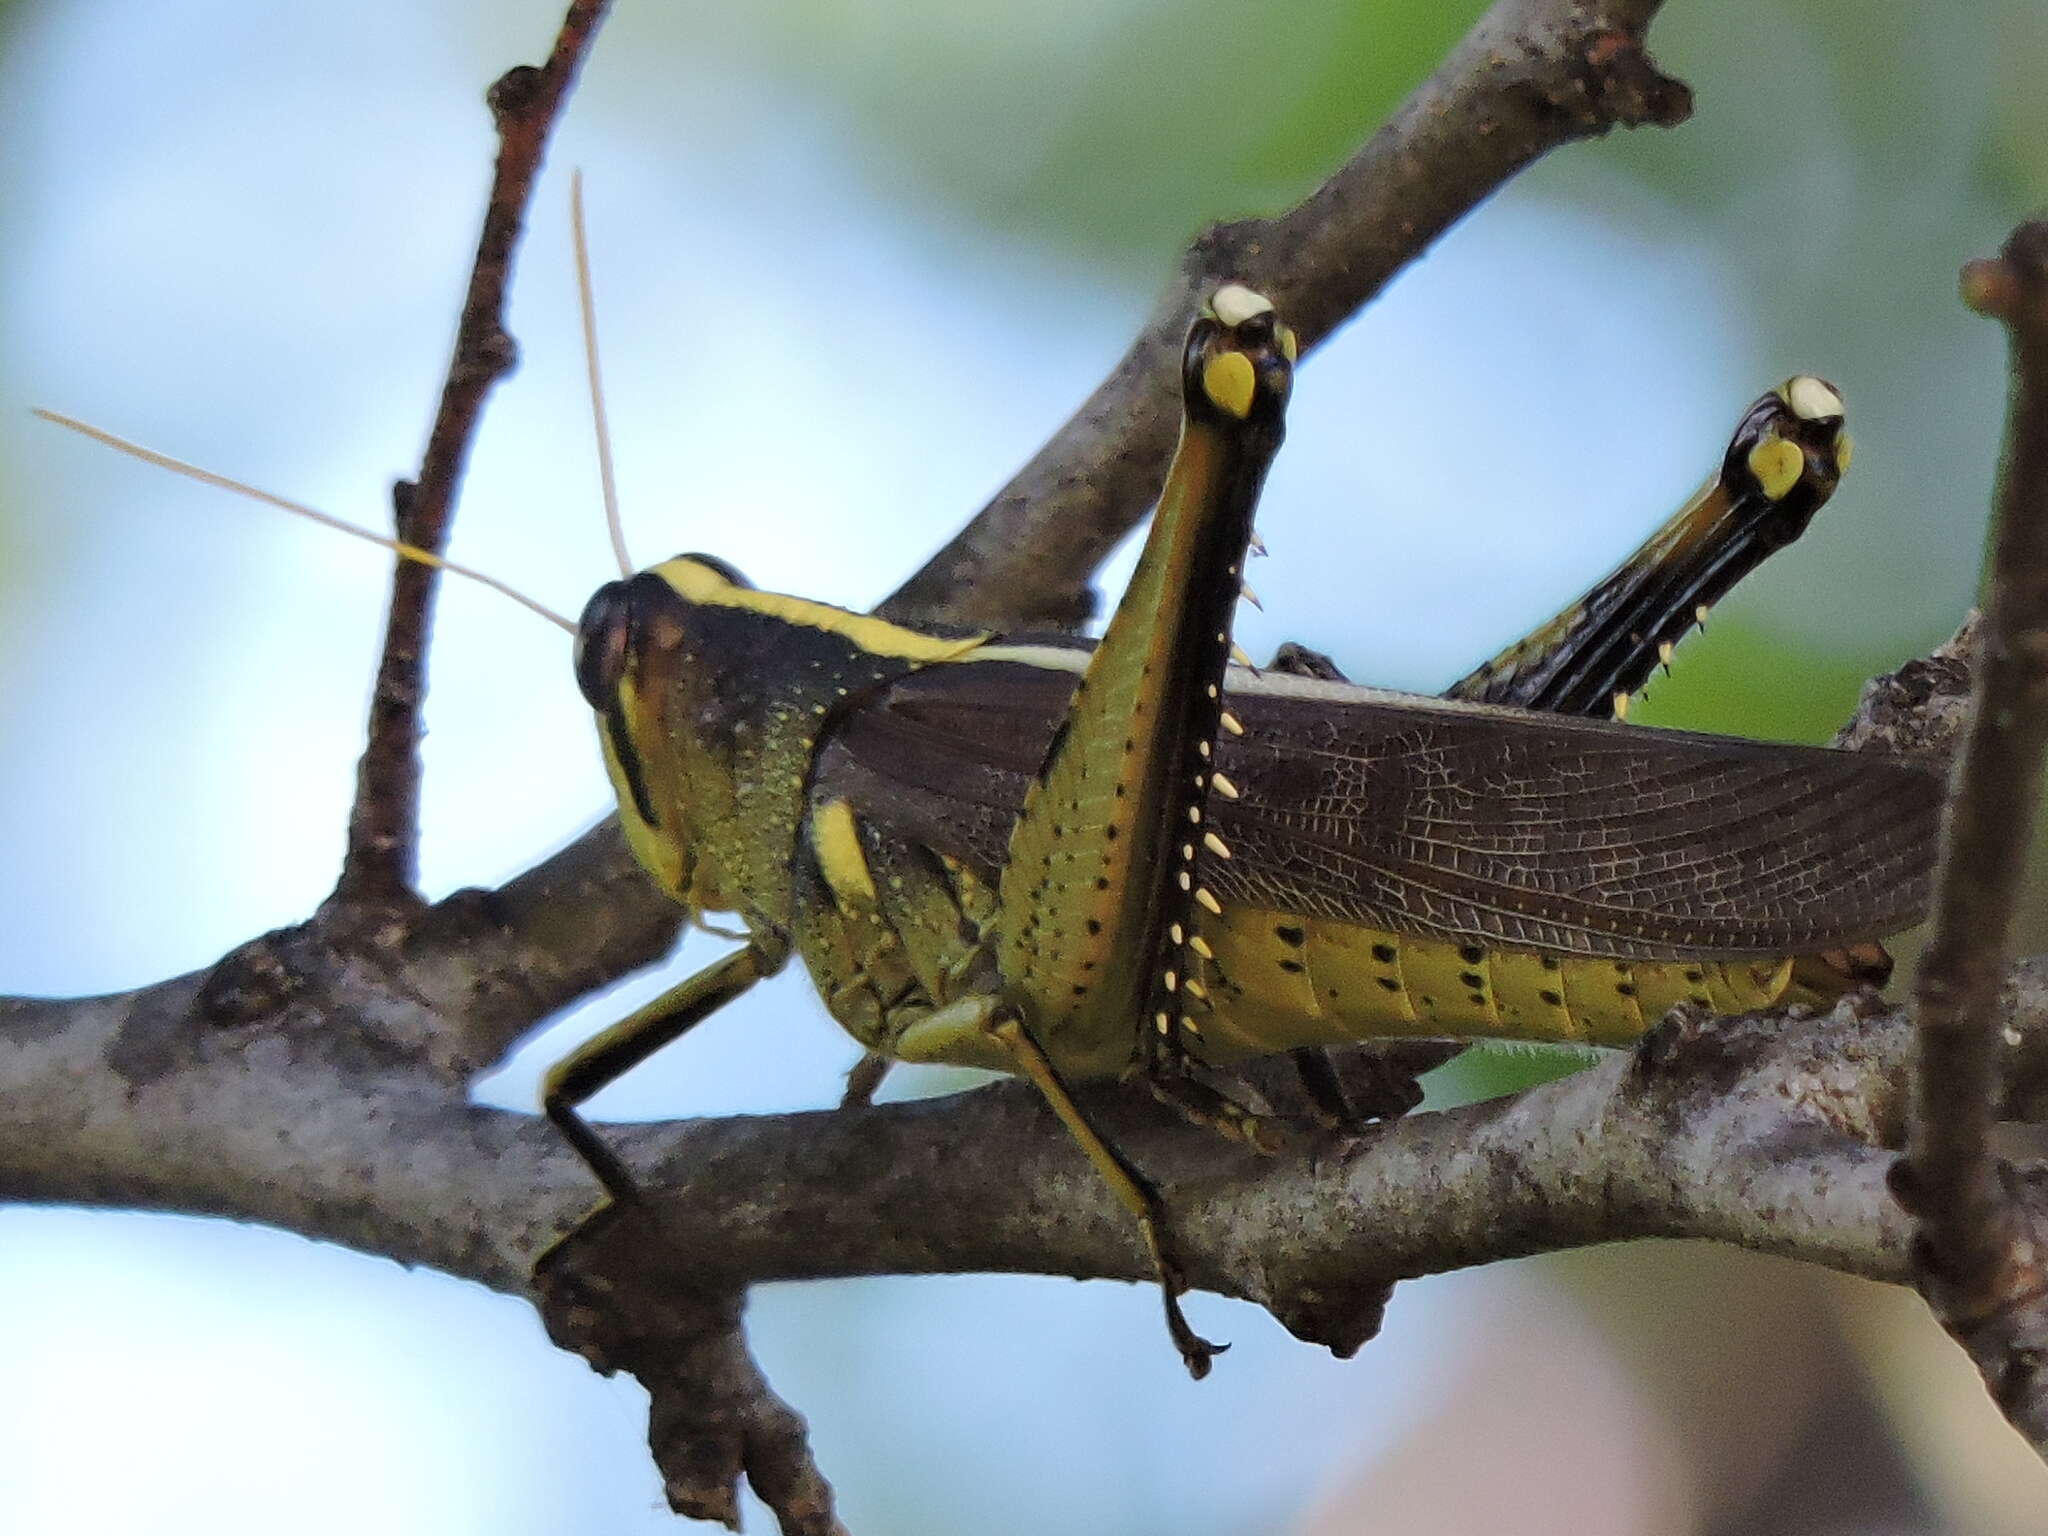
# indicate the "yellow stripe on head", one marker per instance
pixel 697 581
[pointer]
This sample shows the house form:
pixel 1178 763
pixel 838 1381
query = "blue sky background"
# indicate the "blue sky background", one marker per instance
pixel 854 263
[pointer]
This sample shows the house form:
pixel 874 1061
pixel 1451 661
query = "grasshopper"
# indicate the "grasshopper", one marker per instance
pixel 1143 857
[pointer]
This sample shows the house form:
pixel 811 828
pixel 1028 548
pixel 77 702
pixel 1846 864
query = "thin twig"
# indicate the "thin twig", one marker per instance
pixel 1977 1249
pixel 383 831
pixel 1530 76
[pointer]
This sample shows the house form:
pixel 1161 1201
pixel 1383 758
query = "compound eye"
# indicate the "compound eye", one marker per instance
pixel 604 638
pixel 723 568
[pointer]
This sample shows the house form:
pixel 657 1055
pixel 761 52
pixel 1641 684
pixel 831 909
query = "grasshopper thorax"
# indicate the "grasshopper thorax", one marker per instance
pixel 711 700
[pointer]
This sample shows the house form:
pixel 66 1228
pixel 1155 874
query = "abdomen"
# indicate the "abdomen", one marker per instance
pixel 1277 980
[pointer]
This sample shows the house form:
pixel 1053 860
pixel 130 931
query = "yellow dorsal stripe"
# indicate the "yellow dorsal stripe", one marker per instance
pixel 699 583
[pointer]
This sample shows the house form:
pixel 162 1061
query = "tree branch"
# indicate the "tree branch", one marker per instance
pixel 1980 1241
pixel 1763 1131
pixel 383 829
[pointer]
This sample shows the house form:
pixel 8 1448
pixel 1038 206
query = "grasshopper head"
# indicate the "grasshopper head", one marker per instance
pixel 664 718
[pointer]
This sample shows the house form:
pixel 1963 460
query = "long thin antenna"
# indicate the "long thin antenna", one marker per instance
pixel 586 295
pixel 326 520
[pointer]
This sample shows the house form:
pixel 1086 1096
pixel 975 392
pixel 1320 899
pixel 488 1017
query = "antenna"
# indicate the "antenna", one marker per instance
pixel 587 302
pixel 326 520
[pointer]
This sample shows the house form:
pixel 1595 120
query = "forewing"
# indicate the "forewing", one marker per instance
pixel 1450 820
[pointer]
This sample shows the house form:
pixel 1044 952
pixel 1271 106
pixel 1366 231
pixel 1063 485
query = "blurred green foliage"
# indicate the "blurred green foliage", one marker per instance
pixel 1113 130
pixel 1737 678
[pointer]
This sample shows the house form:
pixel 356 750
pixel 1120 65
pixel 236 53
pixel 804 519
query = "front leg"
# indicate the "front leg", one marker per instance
pixel 609 1056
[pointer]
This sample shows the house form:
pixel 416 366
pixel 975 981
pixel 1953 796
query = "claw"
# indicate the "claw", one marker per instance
pixel 1196 1352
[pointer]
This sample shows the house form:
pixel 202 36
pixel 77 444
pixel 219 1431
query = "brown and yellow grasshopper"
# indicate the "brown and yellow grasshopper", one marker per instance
pixel 1143 857
pixel 1076 861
